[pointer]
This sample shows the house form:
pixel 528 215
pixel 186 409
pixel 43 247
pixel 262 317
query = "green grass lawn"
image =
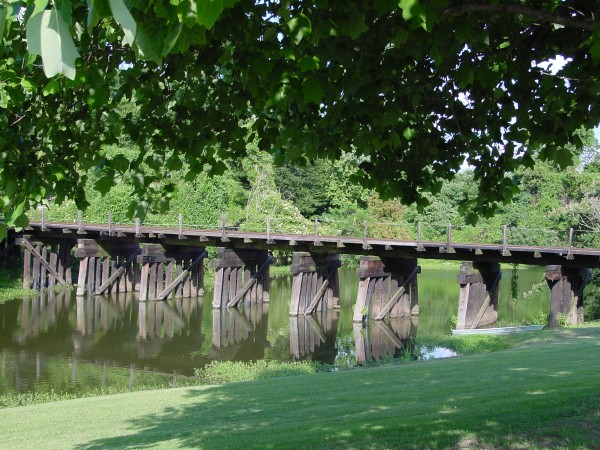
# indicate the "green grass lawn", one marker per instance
pixel 545 393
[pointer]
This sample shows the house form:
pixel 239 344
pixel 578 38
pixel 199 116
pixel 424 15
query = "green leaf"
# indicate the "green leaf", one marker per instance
pixel 48 36
pixel 308 63
pixel 10 187
pixel 149 44
pixel 465 76
pixel 172 39
pixel 410 9
pixel 40 5
pixel 125 19
pixel 105 183
pixel 2 22
pixel 22 221
pixel 28 85
pixel 208 11
pixel 311 89
pixel 299 26
pixel 563 158
pixel 93 16
pixel 51 88
pixel 14 214
pixel 408 133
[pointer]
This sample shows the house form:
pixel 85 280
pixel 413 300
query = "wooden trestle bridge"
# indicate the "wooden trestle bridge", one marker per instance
pixel 161 262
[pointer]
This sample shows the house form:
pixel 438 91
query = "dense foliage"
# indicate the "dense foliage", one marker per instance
pixel 410 86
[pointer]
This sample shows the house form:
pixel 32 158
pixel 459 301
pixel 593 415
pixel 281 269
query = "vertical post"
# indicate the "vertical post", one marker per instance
pixel 79 222
pixel 365 234
pixel 316 230
pixel 448 238
pixel 505 240
pixel 269 229
pixel 43 218
pixel 420 236
pixel 137 227
pixel 180 226
pixel 570 245
pixel 110 230
pixel 223 220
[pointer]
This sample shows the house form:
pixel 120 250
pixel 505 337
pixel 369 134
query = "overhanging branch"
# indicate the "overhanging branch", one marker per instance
pixel 537 14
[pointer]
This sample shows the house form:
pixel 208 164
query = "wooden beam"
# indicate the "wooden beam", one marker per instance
pixel 234 301
pixel 486 302
pixel 389 305
pixel 44 263
pixel 311 307
pixel 180 278
pixel 116 275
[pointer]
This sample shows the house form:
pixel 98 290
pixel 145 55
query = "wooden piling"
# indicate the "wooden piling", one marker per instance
pixel 478 300
pixel 240 277
pixel 566 286
pixel 387 287
pixel 315 285
pixel 161 262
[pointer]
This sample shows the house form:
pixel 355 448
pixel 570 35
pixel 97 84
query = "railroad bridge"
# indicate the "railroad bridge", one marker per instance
pixel 160 262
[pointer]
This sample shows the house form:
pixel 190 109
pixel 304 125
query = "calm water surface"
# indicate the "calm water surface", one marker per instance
pixel 61 342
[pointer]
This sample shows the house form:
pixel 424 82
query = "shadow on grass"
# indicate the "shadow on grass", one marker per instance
pixel 538 396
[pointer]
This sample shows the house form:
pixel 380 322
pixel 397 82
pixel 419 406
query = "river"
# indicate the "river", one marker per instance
pixel 67 344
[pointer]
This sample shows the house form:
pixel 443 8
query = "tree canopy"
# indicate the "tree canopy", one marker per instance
pixel 412 88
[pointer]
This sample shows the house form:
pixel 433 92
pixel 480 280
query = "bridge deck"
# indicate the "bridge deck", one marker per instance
pixel 534 255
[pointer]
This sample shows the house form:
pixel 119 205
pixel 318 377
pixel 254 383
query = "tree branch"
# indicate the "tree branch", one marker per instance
pixel 537 14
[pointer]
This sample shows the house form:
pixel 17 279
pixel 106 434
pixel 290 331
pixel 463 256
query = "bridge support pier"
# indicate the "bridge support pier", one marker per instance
pixel 388 287
pixel 241 274
pixel 315 286
pixel 46 262
pixel 105 266
pixel 566 285
pixel 478 303
pixel 171 270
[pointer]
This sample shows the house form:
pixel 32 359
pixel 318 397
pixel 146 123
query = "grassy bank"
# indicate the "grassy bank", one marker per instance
pixel 545 393
pixel 11 283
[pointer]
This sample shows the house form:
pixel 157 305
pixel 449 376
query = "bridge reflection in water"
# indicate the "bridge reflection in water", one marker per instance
pixel 60 341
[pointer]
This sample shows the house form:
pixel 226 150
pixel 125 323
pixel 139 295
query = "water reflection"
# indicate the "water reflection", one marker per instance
pixel 232 326
pixel 308 333
pixel 41 313
pixel 381 339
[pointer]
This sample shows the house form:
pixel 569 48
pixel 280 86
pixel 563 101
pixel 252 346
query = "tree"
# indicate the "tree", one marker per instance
pixel 413 87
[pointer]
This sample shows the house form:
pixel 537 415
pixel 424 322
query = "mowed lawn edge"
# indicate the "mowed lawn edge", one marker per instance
pixel 543 394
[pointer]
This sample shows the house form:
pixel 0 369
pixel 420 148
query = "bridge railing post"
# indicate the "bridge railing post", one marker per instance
pixel 137 227
pixel 110 230
pixel 420 236
pixel 80 222
pixel 43 218
pixel 223 221
pixel 448 238
pixel 269 230
pixel 316 231
pixel 570 245
pixel 505 251
pixel 180 219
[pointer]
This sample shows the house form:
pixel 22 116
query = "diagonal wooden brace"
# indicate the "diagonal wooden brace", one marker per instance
pixel 313 304
pixel 235 300
pixel 181 277
pixel 43 262
pixel 486 302
pixel 399 293
pixel 116 275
